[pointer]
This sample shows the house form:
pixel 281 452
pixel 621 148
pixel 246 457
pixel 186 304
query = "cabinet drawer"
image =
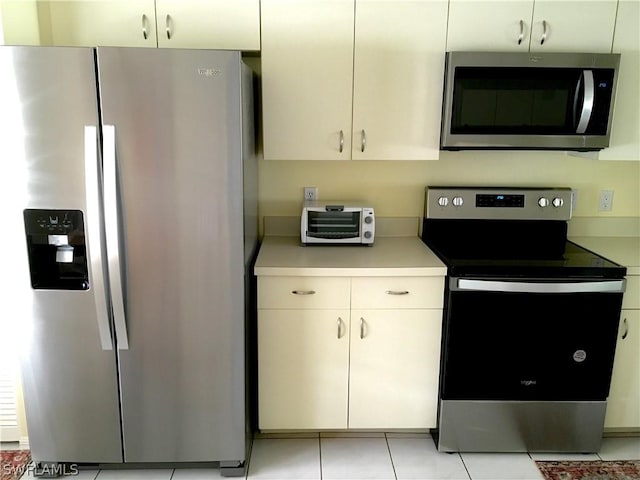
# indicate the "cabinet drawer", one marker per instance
pixel 303 292
pixel 631 299
pixel 397 292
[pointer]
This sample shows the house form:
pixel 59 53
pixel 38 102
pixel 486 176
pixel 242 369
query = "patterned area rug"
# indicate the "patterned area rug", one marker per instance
pixel 619 470
pixel 13 463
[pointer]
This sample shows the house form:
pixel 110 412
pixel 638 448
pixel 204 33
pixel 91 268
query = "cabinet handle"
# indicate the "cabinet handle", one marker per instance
pixel 145 34
pixel 363 142
pixel 626 329
pixel 340 323
pixel 303 292
pixel 341 141
pixel 397 292
pixel 362 326
pixel 168 26
pixel 521 36
pixel 544 32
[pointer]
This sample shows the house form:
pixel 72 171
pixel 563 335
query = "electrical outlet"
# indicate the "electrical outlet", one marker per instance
pixel 310 193
pixel 606 201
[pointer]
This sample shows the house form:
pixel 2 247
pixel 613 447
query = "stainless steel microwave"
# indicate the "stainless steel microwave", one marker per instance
pixel 532 101
pixel 336 223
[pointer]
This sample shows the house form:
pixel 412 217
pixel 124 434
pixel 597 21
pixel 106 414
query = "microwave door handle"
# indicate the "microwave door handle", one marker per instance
pixel 587 101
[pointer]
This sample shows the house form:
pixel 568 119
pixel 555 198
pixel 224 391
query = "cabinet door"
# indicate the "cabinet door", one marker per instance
pixel 116 23
pixel 220 24
pixel 397 93
pixel 625 131
pixel 623 405
pixel 307 77
pixel 395 361
pixel 501 26
pixel 573 25
pixel 303 369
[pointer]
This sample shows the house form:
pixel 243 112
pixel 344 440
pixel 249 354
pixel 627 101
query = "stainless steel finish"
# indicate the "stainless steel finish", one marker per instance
pixel 93 225
pixel 626 328
pixel 167 22
pixel 341 141
pixel 145 23
pixel 181 196
pixel 112 227
pixel 362 327
pixel 521 59
pixel 587 104
pixel 604 286
pixel 543 38
pixel 469 210
pixel 303 292
pixel 340 325
pixel 397 292
pixel 525 426
pixel 521 36
pixel 363 142
pixel 70 387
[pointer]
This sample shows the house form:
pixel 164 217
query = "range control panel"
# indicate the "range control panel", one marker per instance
pixel 497 203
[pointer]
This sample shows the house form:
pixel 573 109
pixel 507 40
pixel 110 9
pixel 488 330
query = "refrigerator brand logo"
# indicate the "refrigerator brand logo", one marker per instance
pixel 579 356
pixel 528 383
pixel 209 72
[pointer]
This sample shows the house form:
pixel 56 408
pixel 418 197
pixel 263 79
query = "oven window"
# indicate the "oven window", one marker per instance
pixel 525 346
pixel 517 101
pixel 334 225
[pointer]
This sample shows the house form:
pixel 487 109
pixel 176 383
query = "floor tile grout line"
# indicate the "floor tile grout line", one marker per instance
pixel 464 464
pixel 393 465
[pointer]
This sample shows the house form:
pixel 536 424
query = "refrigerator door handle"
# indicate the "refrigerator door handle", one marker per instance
pixel 94 234
pixel 113 235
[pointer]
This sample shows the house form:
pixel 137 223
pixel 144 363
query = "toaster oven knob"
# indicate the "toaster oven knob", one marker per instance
pixel 543 202
pixel 367 234
pixel 443 201
pixel 457 201
pixel 558 202
pixel 368 219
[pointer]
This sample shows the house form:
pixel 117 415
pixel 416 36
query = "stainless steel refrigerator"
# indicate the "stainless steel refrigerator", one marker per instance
pixel 140 221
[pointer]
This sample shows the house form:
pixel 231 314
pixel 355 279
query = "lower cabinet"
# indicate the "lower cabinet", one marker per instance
pixel 623 405
pixel 322 366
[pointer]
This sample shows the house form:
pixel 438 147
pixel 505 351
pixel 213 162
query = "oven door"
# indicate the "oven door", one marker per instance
pixel 530 340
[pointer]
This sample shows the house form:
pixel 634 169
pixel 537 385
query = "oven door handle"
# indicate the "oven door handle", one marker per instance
pixel 599 286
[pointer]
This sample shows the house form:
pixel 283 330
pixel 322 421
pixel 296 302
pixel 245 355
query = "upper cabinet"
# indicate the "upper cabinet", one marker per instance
pixel 338 83
pixel 625 130
pixel 223 24
pixel 116 23
pixel 537 26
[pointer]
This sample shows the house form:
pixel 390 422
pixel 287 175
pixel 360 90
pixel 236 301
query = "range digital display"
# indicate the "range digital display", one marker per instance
pixel 499 200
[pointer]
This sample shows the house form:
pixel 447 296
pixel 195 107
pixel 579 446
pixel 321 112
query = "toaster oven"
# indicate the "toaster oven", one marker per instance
pixel 337 223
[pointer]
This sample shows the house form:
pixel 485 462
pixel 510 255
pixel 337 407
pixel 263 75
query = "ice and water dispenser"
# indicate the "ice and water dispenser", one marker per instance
pixel 57 249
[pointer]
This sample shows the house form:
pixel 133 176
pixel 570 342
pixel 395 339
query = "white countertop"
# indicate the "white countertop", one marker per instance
pixel 622 250
pixel 389 256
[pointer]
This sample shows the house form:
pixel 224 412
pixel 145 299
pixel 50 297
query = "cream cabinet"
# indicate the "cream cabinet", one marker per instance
pixel 537 26
pixel 338 83
pixel 623 405
pixel 348 352
pixel 625 131
pixel 225 24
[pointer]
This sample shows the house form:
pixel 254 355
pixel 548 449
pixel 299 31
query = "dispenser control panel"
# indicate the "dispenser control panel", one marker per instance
pixel 57 249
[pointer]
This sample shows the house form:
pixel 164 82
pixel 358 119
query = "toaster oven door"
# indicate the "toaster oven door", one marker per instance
pixel 333 226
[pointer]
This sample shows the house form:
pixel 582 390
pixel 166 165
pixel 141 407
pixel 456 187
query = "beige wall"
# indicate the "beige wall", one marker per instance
pixel 397 188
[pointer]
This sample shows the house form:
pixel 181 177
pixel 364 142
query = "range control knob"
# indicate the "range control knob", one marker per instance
pixel 543 202
pixel 443 201
pixel 367 234
pixel 558 202
pixel 457 201
pixel 368 219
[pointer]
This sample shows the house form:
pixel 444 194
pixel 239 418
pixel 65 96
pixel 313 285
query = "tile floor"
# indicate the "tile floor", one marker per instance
pixel 373 456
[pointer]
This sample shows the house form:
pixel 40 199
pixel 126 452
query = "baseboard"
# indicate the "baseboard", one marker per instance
pixel 24 443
